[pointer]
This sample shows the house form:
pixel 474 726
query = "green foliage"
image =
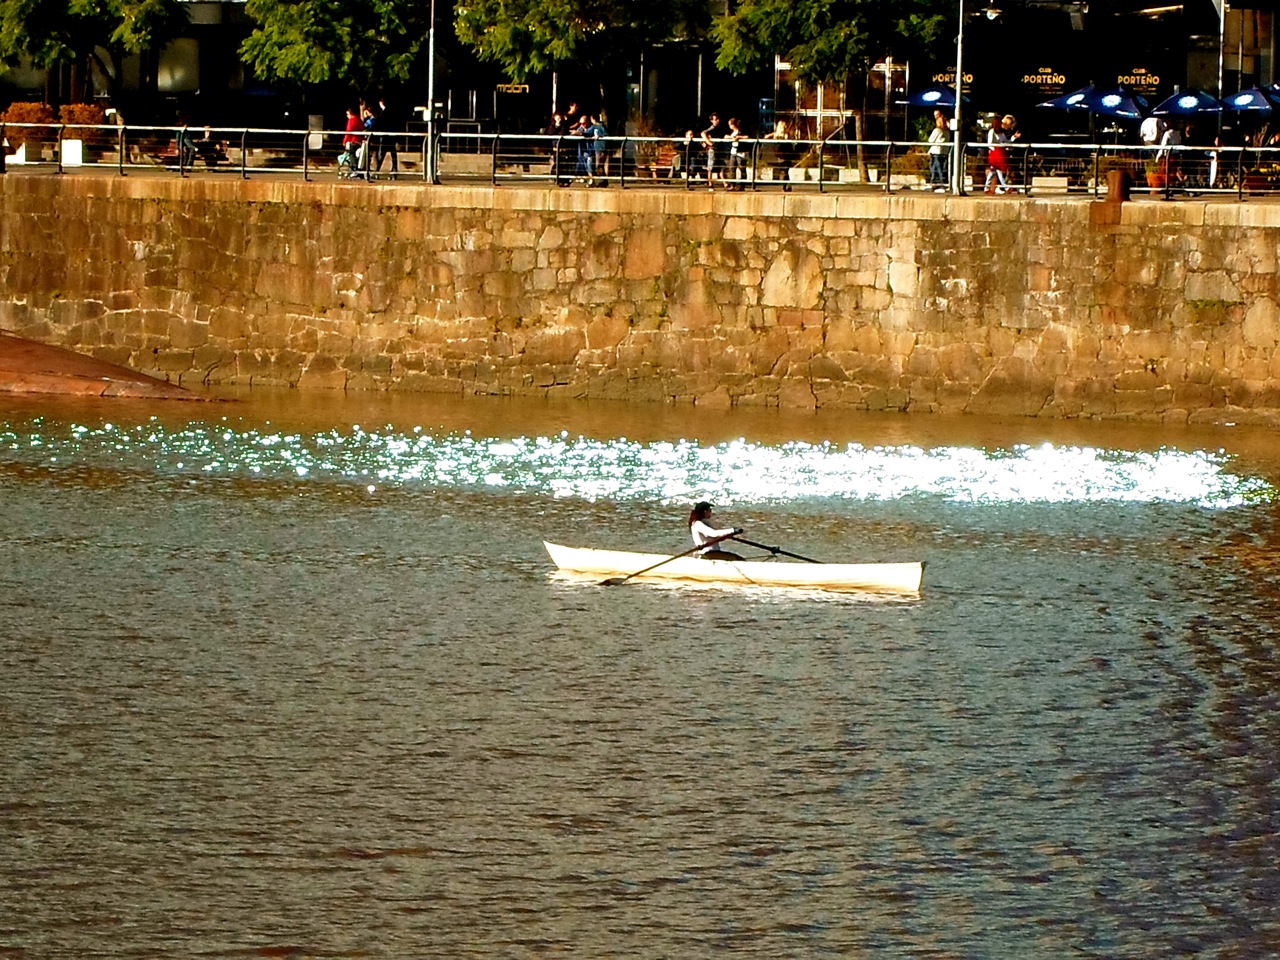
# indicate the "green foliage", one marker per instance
pixel 826 40
pixel 361 42
pixel 54 32
pixel 528 37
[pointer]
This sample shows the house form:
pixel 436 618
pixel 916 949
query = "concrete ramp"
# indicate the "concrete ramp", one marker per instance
pixel 28 367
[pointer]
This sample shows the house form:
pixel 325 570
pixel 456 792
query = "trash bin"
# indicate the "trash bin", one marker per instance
pixel 1118 184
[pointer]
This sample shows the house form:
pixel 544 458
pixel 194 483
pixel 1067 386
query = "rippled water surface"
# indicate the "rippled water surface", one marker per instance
pixel 290 676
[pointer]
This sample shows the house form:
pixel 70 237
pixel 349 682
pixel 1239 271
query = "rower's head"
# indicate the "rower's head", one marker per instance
pixel 701 511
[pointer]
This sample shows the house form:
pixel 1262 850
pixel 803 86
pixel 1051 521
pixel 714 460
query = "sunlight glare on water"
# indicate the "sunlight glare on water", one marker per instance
pixel 739 471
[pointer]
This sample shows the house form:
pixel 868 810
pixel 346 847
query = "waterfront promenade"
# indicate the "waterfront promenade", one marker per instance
pixel 859 300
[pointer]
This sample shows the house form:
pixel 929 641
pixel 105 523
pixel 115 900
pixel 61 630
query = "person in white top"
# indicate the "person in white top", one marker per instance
pixel 702 531
pixel 939 152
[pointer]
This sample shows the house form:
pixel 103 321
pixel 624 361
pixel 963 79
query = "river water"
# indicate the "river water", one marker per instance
pixel 291 676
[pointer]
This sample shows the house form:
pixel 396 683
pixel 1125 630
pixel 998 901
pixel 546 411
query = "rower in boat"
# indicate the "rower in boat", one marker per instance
pixel 702 531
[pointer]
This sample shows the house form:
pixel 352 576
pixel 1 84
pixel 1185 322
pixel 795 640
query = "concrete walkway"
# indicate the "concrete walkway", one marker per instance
pixel 28 367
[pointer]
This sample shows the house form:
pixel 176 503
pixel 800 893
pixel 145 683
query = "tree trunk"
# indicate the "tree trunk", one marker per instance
pixel 859 129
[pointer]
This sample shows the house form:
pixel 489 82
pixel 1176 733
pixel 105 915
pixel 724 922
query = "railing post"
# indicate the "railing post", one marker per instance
pixel 888 167
pixel 493 174
pixel 3 147
pixel 622 164
pixel 1026 170
pixel 306 141
pixel 1240 175
pixel 431 148
pixel 1097 150
pixel 244 155
pixel 755 163
pixel 61 130
pixel 121 146
pixel 822 156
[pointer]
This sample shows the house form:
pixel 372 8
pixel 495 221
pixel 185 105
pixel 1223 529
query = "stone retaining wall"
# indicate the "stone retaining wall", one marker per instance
pixel 1056 307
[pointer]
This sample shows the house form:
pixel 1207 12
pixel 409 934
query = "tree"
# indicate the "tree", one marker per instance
pixel 826 41
pixel 529 37
pixel 829 41
pixel 364 43
pixel 81 32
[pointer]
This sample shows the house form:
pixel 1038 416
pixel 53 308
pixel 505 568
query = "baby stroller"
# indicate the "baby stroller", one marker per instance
pixel 349 161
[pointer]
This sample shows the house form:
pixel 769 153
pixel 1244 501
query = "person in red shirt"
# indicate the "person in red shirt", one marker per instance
pixel 348 160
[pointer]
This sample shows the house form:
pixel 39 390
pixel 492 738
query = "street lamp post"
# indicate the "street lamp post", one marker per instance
pixel 957 175
pixel 431 96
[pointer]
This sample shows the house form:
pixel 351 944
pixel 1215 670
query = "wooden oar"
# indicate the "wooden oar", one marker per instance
pixel 776 550
pixel 614 581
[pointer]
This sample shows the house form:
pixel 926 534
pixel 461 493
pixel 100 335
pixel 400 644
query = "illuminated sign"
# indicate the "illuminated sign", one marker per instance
pixel 947 78
pixel 513 88
pixel 1045 81
pixel 1140 79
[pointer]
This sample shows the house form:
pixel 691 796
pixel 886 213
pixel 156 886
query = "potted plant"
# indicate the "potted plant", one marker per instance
pixel 81 119
pixel 26 142
pixel 646 149
pixel 1157 174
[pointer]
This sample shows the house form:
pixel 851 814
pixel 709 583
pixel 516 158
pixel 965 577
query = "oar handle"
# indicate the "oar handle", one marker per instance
pixel 614 581
pixel 775 550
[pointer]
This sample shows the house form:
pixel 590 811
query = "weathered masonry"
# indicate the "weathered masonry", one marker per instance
pixel 1056 307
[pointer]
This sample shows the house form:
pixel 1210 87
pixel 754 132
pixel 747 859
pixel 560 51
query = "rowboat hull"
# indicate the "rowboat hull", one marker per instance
pixel 874 577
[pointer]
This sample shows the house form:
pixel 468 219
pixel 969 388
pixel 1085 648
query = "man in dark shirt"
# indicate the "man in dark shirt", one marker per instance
pixel 710 136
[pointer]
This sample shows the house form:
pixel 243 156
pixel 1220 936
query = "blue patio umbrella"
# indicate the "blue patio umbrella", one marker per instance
pixel 1076 100
pixel 1118 102
pixel 937 96
pixel 1252 99
pixel 1187 103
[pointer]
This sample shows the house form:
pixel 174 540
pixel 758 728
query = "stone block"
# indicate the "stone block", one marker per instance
pixel 796 394
pixel 903 278
pixel 794 279
pixel 1215 285
pixel 606 332
pixel 645 255
pixel 1014 387
pixel 826 368
pixel 1261 327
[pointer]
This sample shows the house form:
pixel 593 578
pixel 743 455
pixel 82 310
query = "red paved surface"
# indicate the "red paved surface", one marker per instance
pixel 30 367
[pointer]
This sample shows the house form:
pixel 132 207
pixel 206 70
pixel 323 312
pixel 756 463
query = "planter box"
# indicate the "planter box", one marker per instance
pixel 73 153
pixel 1050 184
pixel 797 174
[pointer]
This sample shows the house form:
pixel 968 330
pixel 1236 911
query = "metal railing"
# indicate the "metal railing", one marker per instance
pixel 629 162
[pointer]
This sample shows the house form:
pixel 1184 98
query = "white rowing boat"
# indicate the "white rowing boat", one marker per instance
pixel 875 577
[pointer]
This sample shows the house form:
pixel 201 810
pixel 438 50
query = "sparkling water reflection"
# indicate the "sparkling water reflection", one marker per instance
pixel 275 713
pixel 738 471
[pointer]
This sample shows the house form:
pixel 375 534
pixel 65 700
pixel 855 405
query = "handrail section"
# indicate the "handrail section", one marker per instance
pixel 629 161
